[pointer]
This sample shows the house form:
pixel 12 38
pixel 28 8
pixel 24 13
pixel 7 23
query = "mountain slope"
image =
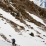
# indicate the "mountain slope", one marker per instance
pixel 19 19
pixel 23 38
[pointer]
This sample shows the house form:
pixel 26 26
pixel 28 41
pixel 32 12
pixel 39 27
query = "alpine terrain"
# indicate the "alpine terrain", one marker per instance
pixel 23 21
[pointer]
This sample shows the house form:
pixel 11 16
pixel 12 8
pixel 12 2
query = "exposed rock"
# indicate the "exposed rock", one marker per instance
pixel 32 34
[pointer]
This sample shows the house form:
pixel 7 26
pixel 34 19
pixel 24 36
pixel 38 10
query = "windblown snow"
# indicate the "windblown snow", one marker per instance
pixel 23 38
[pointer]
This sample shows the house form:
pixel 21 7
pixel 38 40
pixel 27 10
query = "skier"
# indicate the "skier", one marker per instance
pixel 13 42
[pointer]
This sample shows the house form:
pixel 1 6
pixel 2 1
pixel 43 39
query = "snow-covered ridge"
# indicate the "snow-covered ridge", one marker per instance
pixel 7 15
pixel 41 3
pixel 36 18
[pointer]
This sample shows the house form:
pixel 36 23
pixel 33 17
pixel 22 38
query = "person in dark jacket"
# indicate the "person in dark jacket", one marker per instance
pixel 13 41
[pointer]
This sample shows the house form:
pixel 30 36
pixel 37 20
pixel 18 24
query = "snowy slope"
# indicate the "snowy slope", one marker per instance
pixel 2 43
pixel 23 38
